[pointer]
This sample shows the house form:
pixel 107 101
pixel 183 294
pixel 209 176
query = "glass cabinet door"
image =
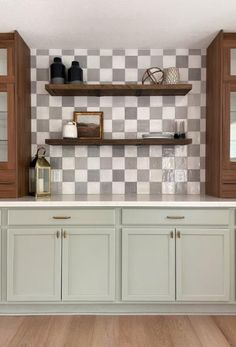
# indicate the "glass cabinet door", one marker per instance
pixel 3 62
pixel 6 62
pixel 7 127
pixel 3 127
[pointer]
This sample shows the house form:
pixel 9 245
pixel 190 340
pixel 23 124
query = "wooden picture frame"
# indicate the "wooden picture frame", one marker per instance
pixel 89 124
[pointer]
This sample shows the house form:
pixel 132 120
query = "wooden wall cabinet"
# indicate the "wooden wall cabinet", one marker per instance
pixel 15 118
pixel 221 116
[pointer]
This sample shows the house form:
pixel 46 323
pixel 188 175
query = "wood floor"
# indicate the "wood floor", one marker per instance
pixel 114 331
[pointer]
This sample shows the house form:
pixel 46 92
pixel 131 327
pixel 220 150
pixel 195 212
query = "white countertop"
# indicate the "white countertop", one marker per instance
pixel 119 201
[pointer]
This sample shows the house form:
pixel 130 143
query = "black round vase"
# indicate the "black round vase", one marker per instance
pixel 57 71
pixel 75 73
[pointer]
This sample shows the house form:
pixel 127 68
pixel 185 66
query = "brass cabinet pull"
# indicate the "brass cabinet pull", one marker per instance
pixel 58 234
pixel 64 234
pixel 171 234
pixel 175 217
pixel 61 217
pixel 178 234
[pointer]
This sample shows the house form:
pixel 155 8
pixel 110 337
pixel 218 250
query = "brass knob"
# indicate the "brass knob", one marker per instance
pixel 171 234
pixel 64 234
pixel 58 234
pixel 178 234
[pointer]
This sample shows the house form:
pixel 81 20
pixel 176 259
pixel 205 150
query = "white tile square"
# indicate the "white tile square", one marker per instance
pixel 68 163
pixel 130 175
pixel 68 187
pixel 118 62
pixel 106 175
pixel 106 75
pixel 194 61
pixel 94 163
pixel 118 187
pixel 144 62
pixel 93 188
pixel 155 175
pixel 42 62
pixel 81 175
pixel 131 75
pixel 118 163
pixel 168 187
pixel 55 125
pixel 143 188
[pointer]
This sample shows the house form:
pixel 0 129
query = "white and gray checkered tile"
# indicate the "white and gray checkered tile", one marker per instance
pixel 129 169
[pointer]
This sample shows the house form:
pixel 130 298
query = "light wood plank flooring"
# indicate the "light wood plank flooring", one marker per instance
pixel 118 331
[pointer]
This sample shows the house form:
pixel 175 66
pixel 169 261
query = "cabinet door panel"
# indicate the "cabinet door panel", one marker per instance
pixel 88 270
pixel 148 264
pixel 33 265
pixel 7 127
pixel 202 265
pixel 6 62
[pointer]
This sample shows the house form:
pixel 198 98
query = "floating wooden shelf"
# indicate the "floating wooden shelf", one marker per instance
pixel 117 89
pixel 117 142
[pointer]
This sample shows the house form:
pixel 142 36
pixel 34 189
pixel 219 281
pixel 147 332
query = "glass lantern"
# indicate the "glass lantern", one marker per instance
pixel 40 175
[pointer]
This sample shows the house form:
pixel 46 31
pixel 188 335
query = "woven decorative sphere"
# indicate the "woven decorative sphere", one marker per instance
pixel 153 75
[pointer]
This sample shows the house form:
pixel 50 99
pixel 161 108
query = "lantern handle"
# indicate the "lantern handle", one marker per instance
pixel 39 149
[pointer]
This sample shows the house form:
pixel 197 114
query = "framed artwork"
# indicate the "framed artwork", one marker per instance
pixel 89 124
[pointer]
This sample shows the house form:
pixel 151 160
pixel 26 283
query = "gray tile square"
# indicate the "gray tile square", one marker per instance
pixel 182 61
pixel 143 126
pixel 93 75
pixel 68 151
pixel 81 163
pixel 82 61
pixel 155 163
pixel 106 188
pixel 42 125
pixel 143 101
pixel 68 101
pixel 56 162
pixel 118 151
pixel 143 175
pixel 106 62
pixel 194 74
pixel 131 62
pixel 131 163
pixel 42 75
pixel 155 188
pixel 68 175
pixel 130 187
pixel 118 75
pixel 118 52
pixel 43 100
pixel 106 163
pixel 143 151
pixel 130 112
pixel 81 188
pixel 55 112
pixel 118 175
pixel 93 175
pixel 93 151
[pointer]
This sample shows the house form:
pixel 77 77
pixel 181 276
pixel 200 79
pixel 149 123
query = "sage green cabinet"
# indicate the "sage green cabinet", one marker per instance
pixel 202 264
pixel 33 264
pixel 37 270
pixel 148 264
pixel 88 264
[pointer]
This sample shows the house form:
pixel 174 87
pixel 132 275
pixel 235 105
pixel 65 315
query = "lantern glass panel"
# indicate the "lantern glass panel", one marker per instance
pixel 43 181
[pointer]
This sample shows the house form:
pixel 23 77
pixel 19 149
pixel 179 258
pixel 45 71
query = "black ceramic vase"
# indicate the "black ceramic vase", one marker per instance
pixel 75 73
pixel 57 71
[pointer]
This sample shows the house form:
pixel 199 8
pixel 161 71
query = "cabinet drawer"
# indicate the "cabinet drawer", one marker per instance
pixel 150 216
pixel 61 217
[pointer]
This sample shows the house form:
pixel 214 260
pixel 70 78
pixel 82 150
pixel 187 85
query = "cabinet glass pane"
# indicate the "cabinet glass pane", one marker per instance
pixel 3 127
pixel 3 61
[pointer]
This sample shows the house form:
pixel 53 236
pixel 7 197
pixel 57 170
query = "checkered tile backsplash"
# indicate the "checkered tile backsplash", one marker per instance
pixel 128 169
